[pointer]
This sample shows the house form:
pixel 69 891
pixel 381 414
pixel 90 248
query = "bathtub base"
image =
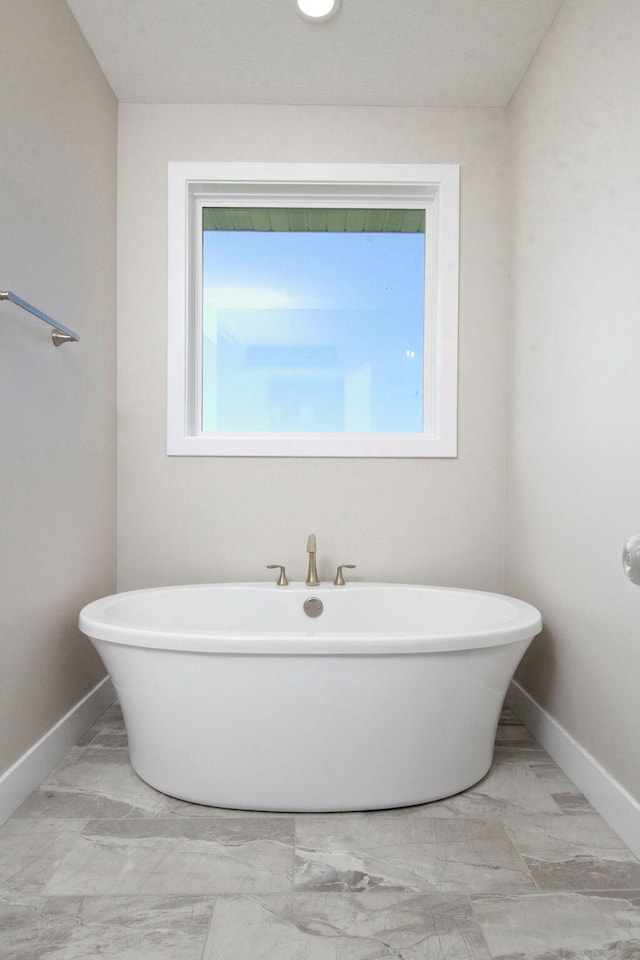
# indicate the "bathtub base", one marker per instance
pixel 311 733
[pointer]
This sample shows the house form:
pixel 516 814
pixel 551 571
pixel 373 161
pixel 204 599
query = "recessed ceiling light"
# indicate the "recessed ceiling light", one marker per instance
pixel 318 10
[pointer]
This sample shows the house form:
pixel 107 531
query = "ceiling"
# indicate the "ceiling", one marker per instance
pixel 374 52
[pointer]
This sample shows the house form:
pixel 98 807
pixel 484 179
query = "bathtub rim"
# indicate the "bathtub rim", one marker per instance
pixel 525 625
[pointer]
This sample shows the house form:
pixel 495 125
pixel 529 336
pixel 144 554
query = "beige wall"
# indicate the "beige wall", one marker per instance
pixel 57 407
pixel 574 450
pixel 200 519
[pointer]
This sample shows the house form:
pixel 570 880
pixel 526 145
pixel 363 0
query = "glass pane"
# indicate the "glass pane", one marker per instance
pixel 307 331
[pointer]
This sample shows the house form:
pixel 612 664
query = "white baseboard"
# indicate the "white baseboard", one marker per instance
pixel 29 771
pixel 605 794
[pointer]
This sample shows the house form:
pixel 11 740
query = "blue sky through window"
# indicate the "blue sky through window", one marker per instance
pixel 312 332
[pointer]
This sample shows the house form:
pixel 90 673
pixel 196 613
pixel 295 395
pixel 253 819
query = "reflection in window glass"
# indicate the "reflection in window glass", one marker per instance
pixel 313 320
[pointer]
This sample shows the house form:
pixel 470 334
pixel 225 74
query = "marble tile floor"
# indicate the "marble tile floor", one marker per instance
pixel 519 867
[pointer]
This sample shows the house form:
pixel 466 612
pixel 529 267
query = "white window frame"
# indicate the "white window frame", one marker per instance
pixel 434 188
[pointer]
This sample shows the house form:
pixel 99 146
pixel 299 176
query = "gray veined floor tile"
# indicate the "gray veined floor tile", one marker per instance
pixel 443 855
pixel 572 802
pixel 106 737
pixel 514 730
pixel 91 783
pixel 97 863
pixel 517 750
pixel 570 926
pixel 514 742
pixel 111 723
pixel 508 717
pixel 180 856
pixel 113 715
pixel 578 852
pixel 562 789
pixel 117 928
pixel 98 781
pixel 31 851
pixel 393 926
pixel 508 790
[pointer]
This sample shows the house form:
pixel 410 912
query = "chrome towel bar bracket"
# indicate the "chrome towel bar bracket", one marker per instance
pixel 59 334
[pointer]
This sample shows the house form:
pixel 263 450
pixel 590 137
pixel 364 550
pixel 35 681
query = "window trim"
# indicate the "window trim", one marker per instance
pixel 193 185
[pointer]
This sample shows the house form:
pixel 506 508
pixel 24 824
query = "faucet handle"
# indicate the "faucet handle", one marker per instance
pixel 339 580
pixel 282 579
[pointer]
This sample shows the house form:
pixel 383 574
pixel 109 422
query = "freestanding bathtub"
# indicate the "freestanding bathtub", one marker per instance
pixel 233 696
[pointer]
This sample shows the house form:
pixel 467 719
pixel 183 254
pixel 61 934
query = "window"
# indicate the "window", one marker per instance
pixel 312 310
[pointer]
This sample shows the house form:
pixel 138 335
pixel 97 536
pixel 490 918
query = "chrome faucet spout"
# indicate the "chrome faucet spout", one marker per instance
pixel 312 572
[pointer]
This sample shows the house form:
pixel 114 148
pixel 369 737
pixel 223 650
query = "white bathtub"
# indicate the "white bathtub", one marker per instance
pixel 234 697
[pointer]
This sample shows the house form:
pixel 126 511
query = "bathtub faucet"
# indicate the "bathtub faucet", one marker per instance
pixel 312 573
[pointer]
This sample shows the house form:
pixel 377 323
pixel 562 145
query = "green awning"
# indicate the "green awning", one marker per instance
pixel 313 220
